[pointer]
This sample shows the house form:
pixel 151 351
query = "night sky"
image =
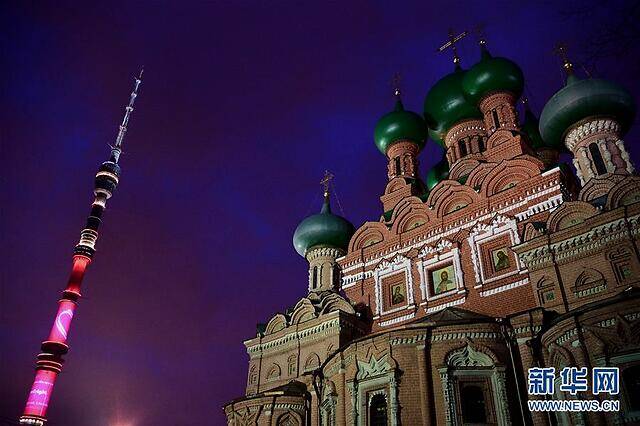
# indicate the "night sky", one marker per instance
pixel 243 106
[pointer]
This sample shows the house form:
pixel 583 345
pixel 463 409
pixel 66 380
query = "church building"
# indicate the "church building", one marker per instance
pixel 501 259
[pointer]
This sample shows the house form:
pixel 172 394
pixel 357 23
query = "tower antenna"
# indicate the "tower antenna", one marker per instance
pixel 50 359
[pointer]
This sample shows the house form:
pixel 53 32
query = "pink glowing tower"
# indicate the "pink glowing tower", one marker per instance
pixel 49 363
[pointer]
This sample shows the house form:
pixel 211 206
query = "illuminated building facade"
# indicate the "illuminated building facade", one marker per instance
pixel 500 260
pixel 50 360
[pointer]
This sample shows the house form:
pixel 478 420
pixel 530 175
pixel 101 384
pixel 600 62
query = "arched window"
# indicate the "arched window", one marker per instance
pixel 336 276
pixel 378 411
pixel 397 165
pixel 473 404
pixel 598 162
pixel 462 146
pixel 631 383
pixel 496 120
pixel 481 143
pixel 291 365
pixel 314 283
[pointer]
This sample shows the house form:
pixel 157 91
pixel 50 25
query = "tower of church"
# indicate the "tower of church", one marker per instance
pixel 499 260
pixel 50 360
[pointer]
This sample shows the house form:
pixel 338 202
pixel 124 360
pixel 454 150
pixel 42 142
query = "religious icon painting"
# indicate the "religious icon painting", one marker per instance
pixel 443 279
pixel 398 295
pixel 500 259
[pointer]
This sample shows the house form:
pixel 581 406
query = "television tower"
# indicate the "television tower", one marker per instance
pixel 49 363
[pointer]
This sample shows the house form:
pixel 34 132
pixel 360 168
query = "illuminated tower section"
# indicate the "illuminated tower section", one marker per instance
pixel 49 363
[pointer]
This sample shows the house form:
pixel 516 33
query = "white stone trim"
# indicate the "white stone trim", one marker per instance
pixel 439 233
pixel 445 305
pixel 397 320
pixel 505 287
pixel 484 233
pixel 386 269
pixel 452 256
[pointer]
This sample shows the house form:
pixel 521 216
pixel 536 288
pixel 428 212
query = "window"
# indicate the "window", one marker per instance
pixel 291 363
pixel 496 120
pixel 378 411
pixel 631 384
pixel 481 143
pixel 462 146
pixel 474 408
pixel 598 162
pixel 397 164
pixel 315 277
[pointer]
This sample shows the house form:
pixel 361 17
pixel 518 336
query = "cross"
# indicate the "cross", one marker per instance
pixel 453 39
pixel 561 50
pixel 396 84
pixel 326 181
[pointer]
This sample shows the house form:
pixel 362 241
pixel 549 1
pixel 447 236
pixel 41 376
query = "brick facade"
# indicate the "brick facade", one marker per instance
pixel 506 266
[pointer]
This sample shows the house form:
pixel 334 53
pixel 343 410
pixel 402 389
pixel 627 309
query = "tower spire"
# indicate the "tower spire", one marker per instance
pixel 451 43
pixel 49 363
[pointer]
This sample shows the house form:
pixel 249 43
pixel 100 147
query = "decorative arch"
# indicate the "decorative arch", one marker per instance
pixel 588 278
pixel 533 230
pixel 334 302
pixel 288 419
pixel 367 235
pixel 292 364
pixel 570 213
pixel 478 175
pixel 509 173
pixel 624 193
pixel 274 372
pixel 409 214
pixel 253 375
pixel 559 357
pixel 471 355
pixel 312 362
pixel 303 311
pixel 499 137
pixel 462 168
pixel 599 186
pixel 277 323
pixel 455 197
pixel 394 185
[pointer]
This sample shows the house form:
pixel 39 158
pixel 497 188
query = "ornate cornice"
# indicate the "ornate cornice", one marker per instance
pixel 589 128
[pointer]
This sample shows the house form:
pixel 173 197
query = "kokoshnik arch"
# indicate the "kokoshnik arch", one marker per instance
pixel 500 260
pixel 50 361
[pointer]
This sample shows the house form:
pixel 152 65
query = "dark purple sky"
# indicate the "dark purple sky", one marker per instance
pixel 242 107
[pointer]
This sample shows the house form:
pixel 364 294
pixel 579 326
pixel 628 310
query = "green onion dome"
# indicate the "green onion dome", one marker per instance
pixel 445 105
pixel 324 229
pixel 400 125
pixel 438 173
pixel 530 129
pixel 581 99
pixel 490 75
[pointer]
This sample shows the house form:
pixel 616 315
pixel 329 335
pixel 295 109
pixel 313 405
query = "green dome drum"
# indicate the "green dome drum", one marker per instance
pixel 400 125
pixel 324 229
pixel 445 105
pixel 581 99
pixel 492 75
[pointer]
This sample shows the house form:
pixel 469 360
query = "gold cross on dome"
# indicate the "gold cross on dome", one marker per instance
pixel 561 50
pixel 451 43
pixel 397 78
pixel 326 181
